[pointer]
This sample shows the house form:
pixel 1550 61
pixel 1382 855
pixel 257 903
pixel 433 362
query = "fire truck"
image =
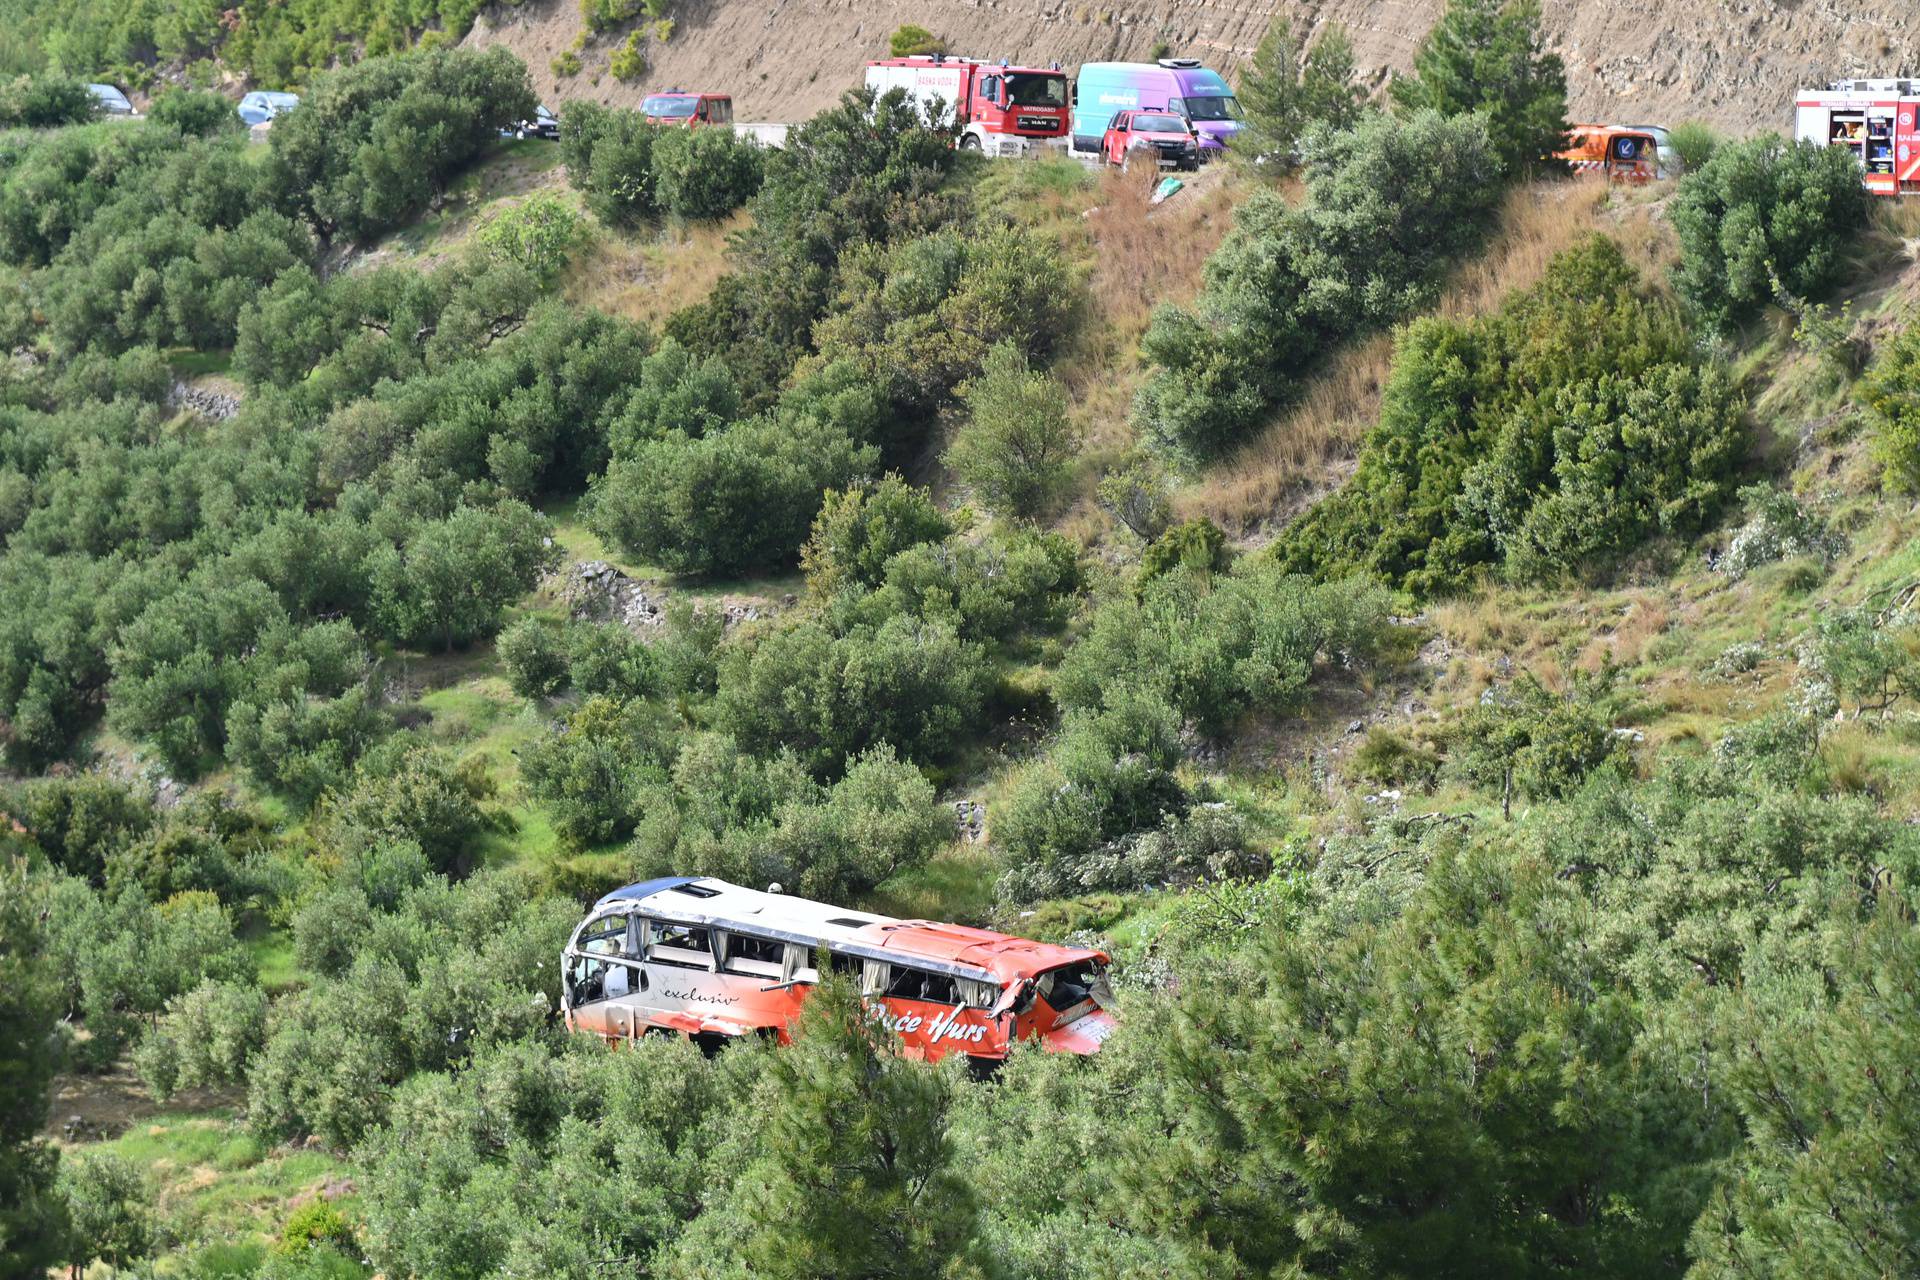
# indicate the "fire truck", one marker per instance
pixel 1877 121
pixel 712 961
pixel 998 109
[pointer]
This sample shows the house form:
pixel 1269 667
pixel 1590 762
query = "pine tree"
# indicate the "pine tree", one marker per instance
pixel 859 1177
pixel 1487 56
pixel 1283 98
pixel 33 1216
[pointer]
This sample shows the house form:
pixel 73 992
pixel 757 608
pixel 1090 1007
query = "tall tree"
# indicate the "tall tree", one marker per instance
pixel 858 1176
pixel 33 1215
pixel 1488 56
pixel 1285 96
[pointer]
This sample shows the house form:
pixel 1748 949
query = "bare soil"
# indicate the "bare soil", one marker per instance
pixel 1733 63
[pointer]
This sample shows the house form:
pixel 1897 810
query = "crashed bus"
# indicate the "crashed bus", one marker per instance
pixel 714 961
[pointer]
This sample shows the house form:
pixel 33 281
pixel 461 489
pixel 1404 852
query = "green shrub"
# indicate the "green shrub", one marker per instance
pixel 206 1037
pixel 1214 649
pixel 909 40
pixel 375 140
pixel 1891 392
pixel 44 102
pixel 535 654
pixel 1694 142
pixel 1017 448
pixel 539 234
pixel 1108 775
pixel 1759 210
pixel 110 1208
pixel 406 791
pixel 741 498
pixel 1390 759
pixel 594 774
pixel 313 1224
pixel 194 112
pixel 1540 743
pixel 629 61
pixel 1198 544
pixel 1136 494
pixel 705 173
pixel 565 65
pixel 606 658
pixel 909 683
pixel 859 530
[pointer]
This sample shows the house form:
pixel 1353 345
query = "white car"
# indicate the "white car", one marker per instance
pixel 112 101
pixel 260 106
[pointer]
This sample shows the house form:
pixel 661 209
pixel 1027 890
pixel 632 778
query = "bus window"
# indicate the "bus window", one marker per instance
pixel 1068 986
pixel 760 957
pixel 605 937
pixel 918 984
pixel 680 945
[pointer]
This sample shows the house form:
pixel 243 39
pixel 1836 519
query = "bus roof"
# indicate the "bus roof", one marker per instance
pixel 945 947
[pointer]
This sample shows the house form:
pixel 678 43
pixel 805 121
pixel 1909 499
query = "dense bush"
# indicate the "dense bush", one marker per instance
pixel 766 821
pixel 630 170
pixel 859 530
pixel 595 774
pixel 1390 206
pixel 1018 445
pixel 1526 738
pixel 1108 776
pixel 743 497
pixel 867 171
pixel 1762 210
pixel 43 102
pixel 1553 438
pixel 912 684
pixel 705 173
pixel 535 654
pixel 453 971
pixel 1891 392
pixel 1213 649
pixel 374 141
pixel 409 792
pixel 206 1037
pixel 194 111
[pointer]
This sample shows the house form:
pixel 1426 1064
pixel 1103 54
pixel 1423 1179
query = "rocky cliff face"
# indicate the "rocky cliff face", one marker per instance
pixel 1735 63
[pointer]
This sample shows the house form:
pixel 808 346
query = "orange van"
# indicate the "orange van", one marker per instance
pixel 1624 155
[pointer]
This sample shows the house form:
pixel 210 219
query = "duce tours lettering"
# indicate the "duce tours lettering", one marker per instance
pixel 941 1026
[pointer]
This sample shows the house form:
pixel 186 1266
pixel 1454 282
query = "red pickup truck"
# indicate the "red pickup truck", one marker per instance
pixel 1160 135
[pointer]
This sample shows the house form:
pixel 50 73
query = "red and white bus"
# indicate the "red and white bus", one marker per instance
pixel 711 960
pixel 995 108
pixel 1877 121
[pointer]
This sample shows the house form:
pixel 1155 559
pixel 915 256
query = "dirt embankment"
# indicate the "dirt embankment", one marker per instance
pixel 1735 63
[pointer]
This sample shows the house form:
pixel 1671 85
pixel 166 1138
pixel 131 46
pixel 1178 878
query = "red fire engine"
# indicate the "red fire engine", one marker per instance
pixel 1878 121
pixel 714 961
pixel 998 109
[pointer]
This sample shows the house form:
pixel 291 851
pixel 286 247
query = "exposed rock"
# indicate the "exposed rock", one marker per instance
pixel 204 401
pixel 971 816
pixel 595 591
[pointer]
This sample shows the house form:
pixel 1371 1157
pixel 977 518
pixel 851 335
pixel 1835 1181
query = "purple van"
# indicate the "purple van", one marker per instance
pixel 1179 85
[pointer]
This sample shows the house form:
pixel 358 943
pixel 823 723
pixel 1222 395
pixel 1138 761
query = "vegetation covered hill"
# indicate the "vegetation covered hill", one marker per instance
pixel 1449 638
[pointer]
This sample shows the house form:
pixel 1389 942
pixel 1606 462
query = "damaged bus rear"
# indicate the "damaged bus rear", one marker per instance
pixel 712 961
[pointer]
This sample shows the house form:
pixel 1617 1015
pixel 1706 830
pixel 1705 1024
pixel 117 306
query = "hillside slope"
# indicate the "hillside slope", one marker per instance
pixel 1735 63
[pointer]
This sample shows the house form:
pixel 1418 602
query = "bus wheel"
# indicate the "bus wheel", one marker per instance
pixel 710 1042
pixel 979 1068
pixel 969 142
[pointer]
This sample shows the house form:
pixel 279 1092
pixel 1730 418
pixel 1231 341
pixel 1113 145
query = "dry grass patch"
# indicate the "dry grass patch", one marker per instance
pixel 648 279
